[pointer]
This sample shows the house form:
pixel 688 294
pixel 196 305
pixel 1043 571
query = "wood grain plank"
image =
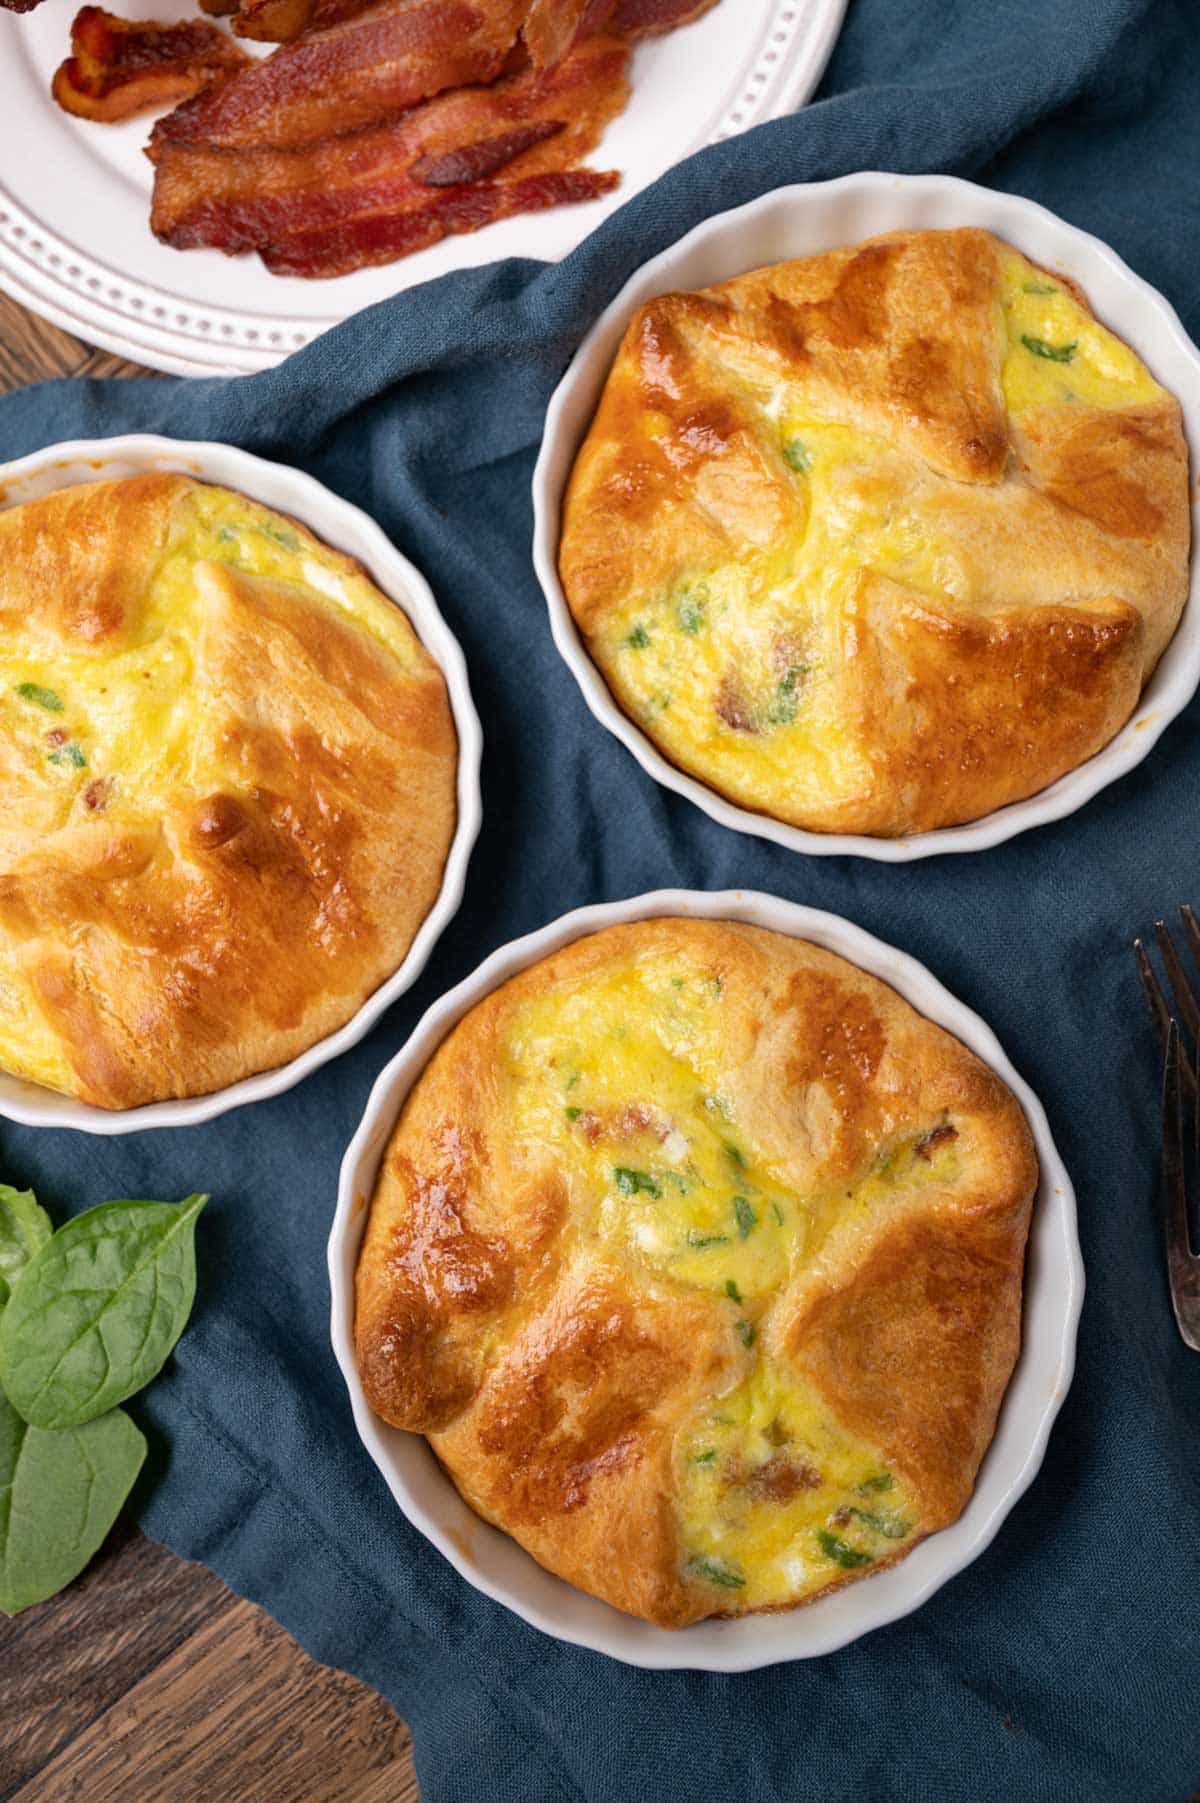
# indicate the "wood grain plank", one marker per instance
pixel 31 350
pixel 67 1660
pixel 234 1712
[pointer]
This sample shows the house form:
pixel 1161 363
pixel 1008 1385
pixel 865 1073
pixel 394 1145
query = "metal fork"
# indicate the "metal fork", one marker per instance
pixel 1181 1076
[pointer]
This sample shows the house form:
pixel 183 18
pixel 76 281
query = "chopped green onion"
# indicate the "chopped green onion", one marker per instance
pixel 33 691
pixel 70 753
pixel 706 1457
pixel 227 536
pixel 890 1526
pixel 638 639
pixel 632 1183
pixel 782 710
pixel 699 1240
pixel 746 1334
pixel 1053 353
pixel 280 534
pixel 737 1157
pixel 690 615
pixel 873 1486
pixel 797 455
pixel 744 1215
pixel 716 1571
pixel 840 1552
pixel 732 1291
pixel 572 1114
pixel 1040 288
pixel 777 1212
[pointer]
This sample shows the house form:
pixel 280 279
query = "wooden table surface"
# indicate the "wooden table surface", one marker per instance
pixel 147 1681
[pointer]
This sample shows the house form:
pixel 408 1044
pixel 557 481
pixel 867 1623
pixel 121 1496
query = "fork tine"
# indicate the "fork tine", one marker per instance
pixel 1191 928
pixel 1185 1001
pixel 1174 1178
pixel 1160 1014
pixel 1183 1268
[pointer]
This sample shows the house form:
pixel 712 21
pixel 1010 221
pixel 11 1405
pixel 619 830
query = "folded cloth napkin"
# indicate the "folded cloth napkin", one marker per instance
pixel 1060 1664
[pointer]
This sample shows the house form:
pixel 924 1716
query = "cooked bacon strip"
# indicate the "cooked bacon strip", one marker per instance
pixel 120 67
pixel 235 200
pixel 20 6
pixel 218 8
pixel 551 28
pixel 386 233
pixel 648 18
pixel 279 201
pixel 450 168
pixel 383 61
pixel 272 21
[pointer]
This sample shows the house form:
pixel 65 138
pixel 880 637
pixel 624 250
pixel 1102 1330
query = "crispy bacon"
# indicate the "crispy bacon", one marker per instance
pixel 20 6
pixel 472 162
pixel 550 29
pixel 388 232
pixel 272 21
pixel 119 67
pixel 649 18
pixel 382 61
pixel 363 192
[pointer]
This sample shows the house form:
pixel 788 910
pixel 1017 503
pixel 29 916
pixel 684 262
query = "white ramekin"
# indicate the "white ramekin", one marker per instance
pixel 500 1568
pixel 799 222
pixel 347 529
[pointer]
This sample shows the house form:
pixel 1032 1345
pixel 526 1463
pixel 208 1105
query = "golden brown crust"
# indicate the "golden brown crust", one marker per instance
pixel 176 935
pixel 554 1372
pixel 1068 527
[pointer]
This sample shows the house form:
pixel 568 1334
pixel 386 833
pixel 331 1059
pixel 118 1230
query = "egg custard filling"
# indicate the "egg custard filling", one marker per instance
pixel 831 523
pixel 195 693
pixel 696 1254
pixel 620 1082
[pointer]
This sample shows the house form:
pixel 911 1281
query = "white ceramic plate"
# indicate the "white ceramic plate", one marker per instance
pixel 502 1569
pixel 799 222
pixel 347 529
pixel 75 239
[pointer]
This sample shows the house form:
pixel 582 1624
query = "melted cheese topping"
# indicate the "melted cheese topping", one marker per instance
pixel 731 668
pixel 117 725
pixel 620 1079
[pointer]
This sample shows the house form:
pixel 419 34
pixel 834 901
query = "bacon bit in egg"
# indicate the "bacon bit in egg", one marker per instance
pixel 636 1117
pixel 56 736
pixel 731 706
pixel 95 796
pixel 780 1479
pixel 941 1136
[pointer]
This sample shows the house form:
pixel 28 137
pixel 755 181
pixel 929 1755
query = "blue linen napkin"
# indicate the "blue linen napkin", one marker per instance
pixel 1061 1665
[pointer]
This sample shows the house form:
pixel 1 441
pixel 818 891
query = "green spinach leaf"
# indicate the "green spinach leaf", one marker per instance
pixel 95 1312
pixel 59 1495
pixel 24 1230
